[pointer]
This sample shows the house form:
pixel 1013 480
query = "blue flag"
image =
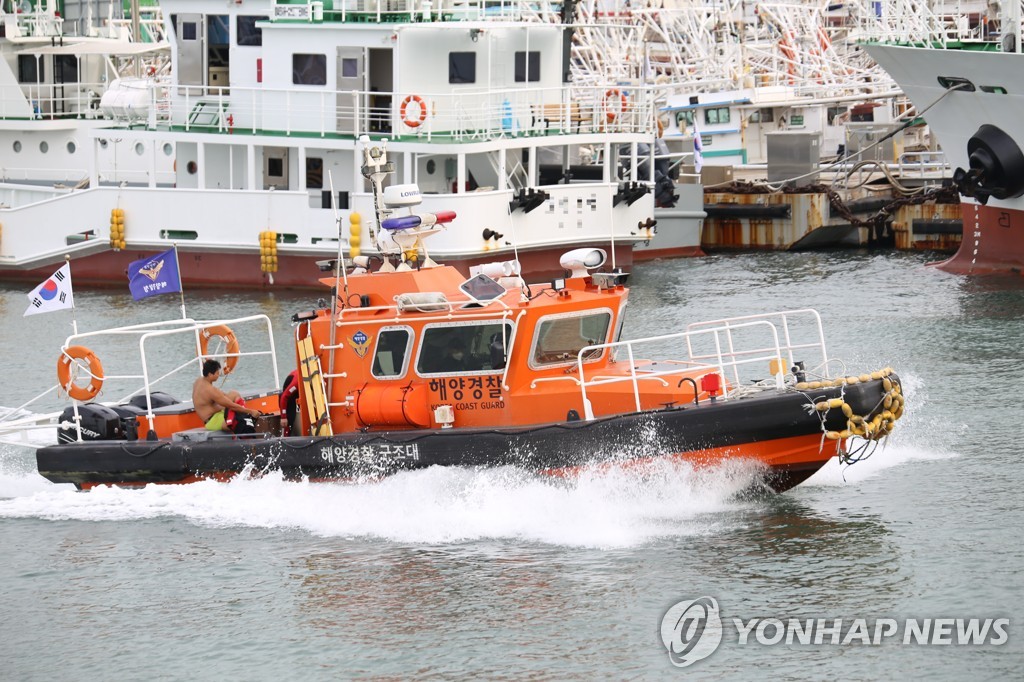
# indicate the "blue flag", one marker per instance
pixel 154 276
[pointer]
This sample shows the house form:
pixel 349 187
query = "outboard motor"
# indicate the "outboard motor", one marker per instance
pixel 98 422
pixel 157 398
pixel 996 166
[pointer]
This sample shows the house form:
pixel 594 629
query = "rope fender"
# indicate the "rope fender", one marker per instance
pixel 864 426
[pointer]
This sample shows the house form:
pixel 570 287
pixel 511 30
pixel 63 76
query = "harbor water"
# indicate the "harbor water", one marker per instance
pixel 465 574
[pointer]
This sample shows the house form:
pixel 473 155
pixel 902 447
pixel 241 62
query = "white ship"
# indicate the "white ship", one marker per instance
pixel 243 150
pixel 965 74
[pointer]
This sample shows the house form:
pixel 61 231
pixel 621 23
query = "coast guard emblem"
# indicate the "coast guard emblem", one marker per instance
pixel 360 343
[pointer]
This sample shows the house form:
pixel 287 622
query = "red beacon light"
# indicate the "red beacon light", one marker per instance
pixel 711 384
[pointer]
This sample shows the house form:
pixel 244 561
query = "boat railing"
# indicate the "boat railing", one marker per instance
pixel 147 333
pixel 731 347
pixel 469 114
pixel 927 164
pixel 384 11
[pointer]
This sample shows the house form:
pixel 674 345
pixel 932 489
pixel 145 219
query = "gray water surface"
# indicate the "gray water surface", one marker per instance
pixel 495 573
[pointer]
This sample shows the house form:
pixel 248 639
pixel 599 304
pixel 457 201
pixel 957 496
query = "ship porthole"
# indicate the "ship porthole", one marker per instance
pixel 140 148
pixel 44 146
pixel 168 149
pixel 192 167
pixel 72 147
pixel 17 146
pixel 103 144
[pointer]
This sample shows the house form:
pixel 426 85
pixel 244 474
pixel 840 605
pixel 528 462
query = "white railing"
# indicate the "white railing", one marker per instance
pixel 923 164
pixel 414 10
pixel 148 332
pixel 723 352
pixel 467 115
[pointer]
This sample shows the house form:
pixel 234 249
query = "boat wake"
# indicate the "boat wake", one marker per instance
pixel 614 507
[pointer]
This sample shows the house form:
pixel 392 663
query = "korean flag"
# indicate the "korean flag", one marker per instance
pixel 53 294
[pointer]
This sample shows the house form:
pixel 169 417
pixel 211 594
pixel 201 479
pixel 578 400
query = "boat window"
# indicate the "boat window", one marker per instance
pixel 391 358
pixel 249 35
pixel 314 172
pixel 462 67
pixel 560 338
pixel 309 69
pixel 27 72
pixel 684 118
pixel 65 68
pixel 994 89
pixel 464 347
pixel 188 30
pixel 527 67
pixel 716 115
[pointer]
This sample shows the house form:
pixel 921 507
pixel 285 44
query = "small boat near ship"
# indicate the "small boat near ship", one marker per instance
pixel 410 364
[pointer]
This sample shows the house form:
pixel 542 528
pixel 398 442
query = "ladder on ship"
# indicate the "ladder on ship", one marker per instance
pixel 313 389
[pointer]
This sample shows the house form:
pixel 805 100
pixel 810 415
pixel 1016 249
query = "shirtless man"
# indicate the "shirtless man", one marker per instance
pixel 207 398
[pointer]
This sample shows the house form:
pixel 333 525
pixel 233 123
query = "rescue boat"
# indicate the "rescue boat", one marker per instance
pixel 410 364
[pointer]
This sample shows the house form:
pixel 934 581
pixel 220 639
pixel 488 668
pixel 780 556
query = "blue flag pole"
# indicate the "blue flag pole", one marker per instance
pixel 181 284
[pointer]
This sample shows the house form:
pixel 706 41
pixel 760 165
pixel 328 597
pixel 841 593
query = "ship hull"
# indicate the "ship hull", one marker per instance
pixel 780 433
pixel 993 234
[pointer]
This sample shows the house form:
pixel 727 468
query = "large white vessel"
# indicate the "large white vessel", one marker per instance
pixel 968 83
pixel 244 152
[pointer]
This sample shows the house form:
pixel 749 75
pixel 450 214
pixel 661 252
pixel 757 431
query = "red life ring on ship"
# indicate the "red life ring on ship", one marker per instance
pixel 610 96
pixel 223 331
pixel 413 122
pixel 69 356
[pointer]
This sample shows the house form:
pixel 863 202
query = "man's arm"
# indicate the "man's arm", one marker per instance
pixel 221 399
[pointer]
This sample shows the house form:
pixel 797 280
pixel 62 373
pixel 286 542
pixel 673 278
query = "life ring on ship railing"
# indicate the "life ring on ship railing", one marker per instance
pixel 223 331
pixel 413 122
pixel 610 96
pixel 71 355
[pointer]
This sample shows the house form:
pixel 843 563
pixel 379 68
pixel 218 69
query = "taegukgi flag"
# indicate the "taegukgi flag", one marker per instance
pixel 53 294
pixel 154 276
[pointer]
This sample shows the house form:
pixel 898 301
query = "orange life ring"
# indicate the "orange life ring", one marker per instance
pixel 413 122
pixel 67 357
pixel 223 331
pixel 610 95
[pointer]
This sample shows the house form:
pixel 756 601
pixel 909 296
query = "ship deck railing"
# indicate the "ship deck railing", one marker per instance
pixel 740 350
pixel 470 114
pixel 407 11
pixel 146 334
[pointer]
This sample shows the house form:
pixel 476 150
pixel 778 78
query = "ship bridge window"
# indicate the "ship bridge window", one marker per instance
pixel 464 347
pixel 309 69
pixel 684 118
pixel 716 115
pixel 527 67
pixel 994 89
pixel 391 357
pixel 560 338
pixel 462 67
pixel 248 34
